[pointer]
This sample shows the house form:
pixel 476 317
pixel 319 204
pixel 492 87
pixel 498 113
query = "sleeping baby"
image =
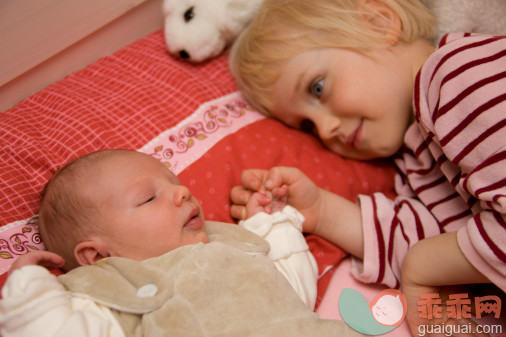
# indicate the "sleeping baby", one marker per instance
pixel 140 260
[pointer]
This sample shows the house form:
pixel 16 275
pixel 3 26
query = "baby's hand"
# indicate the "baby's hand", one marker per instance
pixel 39 258
pixel 279 198
pixel 267 201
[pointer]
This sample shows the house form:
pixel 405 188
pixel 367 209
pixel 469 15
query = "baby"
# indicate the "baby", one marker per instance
pixel 140 260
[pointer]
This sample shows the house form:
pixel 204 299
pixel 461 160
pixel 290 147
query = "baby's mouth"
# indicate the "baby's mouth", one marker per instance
pixel 194 221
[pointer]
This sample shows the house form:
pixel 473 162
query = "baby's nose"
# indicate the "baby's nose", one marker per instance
pixel 182 194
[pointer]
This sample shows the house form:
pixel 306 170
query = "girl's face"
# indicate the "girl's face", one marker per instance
pixel 360 106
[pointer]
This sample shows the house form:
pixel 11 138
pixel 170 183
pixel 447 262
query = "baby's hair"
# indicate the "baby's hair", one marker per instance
pixel 285 28
pixel 67 214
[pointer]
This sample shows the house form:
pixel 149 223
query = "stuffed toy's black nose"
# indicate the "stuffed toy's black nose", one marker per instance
pixel 184 54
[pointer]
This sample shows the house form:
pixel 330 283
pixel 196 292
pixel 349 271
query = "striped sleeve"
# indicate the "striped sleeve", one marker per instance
pixel 464 124
pixel 391 227
pixel 454 170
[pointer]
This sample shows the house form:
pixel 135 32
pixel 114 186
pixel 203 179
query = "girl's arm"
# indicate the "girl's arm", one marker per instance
pixel 430 264
pixel 439 261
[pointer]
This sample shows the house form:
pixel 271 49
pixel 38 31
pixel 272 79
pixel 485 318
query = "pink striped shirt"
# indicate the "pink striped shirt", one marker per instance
pixel 453 168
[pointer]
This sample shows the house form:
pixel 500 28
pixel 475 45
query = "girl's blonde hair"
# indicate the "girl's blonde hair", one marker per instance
pixel 285 28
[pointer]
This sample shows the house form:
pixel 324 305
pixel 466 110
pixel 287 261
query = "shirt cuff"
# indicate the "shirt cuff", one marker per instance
pixel 283 231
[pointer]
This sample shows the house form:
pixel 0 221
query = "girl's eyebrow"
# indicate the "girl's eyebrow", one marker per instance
pixel 300 80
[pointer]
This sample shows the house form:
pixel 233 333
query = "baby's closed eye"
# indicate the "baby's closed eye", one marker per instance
pixel 147 200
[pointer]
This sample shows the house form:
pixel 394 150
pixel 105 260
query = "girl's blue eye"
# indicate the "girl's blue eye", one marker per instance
pixel 316 88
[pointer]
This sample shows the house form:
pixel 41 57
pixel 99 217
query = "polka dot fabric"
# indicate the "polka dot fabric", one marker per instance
pixel 126 100
pixel 269 143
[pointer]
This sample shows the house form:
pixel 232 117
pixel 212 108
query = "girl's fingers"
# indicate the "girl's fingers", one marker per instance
pixel 274 179
pixel 238 212
pixel 239 195
pixel 280 192
pixel 280 175
pixel 253 179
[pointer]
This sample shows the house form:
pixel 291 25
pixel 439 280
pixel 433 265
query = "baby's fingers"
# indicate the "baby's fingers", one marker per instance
pixel 41 258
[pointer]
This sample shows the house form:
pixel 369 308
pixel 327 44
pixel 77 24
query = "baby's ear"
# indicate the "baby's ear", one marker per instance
pixel 90 251
pixel 383 19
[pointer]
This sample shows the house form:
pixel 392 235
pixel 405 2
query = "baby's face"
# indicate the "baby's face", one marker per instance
pixel 360 107
pixel 146 211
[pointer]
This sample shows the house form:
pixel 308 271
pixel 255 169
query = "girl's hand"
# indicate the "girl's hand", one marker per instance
pixel 327 215
pixel 302 194
pixel 40 258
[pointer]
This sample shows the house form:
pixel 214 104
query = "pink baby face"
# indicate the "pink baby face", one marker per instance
pixel 389 307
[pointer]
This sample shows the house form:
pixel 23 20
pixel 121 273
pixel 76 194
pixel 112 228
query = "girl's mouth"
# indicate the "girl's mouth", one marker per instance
pixel 354 138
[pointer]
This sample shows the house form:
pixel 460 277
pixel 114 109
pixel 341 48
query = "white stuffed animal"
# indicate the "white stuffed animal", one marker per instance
pixel 197 30
pixel 471 16
pixel 201 29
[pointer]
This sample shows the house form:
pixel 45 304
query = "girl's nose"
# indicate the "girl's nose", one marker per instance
pixel 328 127
pixel 181 194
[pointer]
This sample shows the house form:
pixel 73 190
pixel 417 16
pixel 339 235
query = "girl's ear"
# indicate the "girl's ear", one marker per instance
pixel 90 251
pixel 383 19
